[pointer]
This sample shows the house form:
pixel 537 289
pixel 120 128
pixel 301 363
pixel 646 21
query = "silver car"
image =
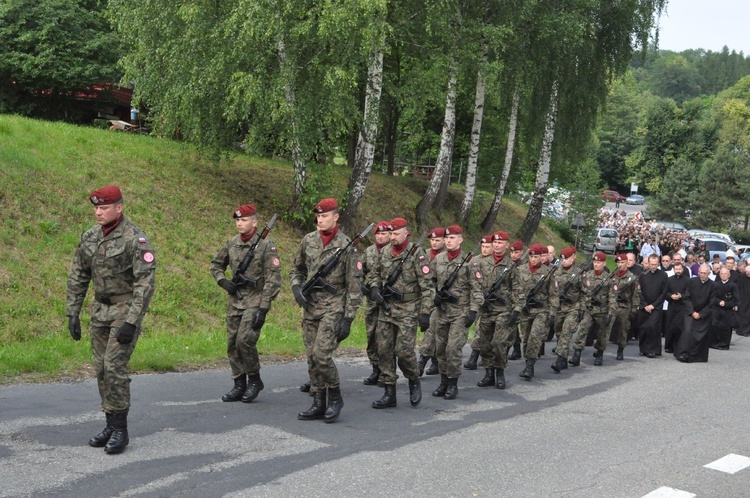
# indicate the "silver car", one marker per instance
pixel 605 240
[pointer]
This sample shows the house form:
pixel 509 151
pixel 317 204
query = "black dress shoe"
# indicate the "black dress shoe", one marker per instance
pixel 669 351
pixel 649 355
pixel 682 359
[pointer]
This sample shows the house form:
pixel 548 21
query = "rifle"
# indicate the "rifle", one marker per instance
pixel 239 279
pixel 531 301
pixel 388 291
pixel 566 288
pixel 318 281
pixel 490 296
pixel 444 294
pixel 594 300
pixel 620 297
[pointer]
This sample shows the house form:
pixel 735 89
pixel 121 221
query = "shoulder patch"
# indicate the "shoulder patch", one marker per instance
pixel 421 257
pixel 142 240
pixel 276 262
pixel 615 287
pixel 355 250
pixel 148 257
pixel 425 269
pixel 359 265
pixel 478 275
pixel 273 249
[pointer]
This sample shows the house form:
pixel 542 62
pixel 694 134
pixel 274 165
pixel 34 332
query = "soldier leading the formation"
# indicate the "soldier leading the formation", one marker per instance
pixel 570 314
pixel 370 257
pixel 116 255
pixel 436 236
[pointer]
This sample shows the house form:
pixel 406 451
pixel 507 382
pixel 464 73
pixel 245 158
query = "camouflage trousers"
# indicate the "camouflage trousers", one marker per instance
pixel 396 342
pixel 111 364
pixel 242 343
pixel 450 335
pixel 495 338
pixel 319 335
pixel 601 331
pixel 371 326
pixel 622 326
pixel 477 335
pixel 566 324
pixel 428 346
pixel 533 333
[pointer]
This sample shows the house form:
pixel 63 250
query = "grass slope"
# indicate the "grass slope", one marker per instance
pixel 184 203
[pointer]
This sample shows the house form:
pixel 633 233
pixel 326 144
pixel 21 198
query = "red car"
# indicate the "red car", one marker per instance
pixel 612 196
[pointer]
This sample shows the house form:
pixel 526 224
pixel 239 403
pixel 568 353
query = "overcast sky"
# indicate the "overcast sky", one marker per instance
pixel 706 24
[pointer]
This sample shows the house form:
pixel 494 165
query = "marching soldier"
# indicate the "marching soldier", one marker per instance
pixel 485 244
pixel 516 253
pixel 427 348
pixel 458 299
pixel 328 314
pixel 570 313
pixel 599 304
pixel 495 315
pixel 369 261
pixel 118 258
pixel 538 300
pixel 625 288
pixel 249 299
pixel 401 283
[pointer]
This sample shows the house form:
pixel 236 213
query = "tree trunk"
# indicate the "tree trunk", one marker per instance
pixel 300 169
pixel 476 132
pixel 534 215
pixel 489 220
pixel 365 153
pixel 443 162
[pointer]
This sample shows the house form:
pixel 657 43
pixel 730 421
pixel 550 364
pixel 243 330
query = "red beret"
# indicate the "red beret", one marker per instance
pixel 500 235
pixel 326 205
pixel 453 230
pixel 244 210
pixel 398 223
pixel 106 195
pixel 436 233
pixel 545 250
pixel 537 250
pixel 621 257
pixel 516 246
pixel 383 226
pixel 486 239
pixel 600 256
pixel 568 252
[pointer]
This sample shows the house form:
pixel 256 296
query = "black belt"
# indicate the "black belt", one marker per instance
pixel 114 299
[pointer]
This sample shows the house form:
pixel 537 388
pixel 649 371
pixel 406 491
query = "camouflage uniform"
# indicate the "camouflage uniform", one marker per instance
pixel 397 327
pixel 265 270
pixel 596 308
pixel 533 326
pixel 323 314
pixel 495 335
pixel 121 266
pixel 625 290
pixel 450 331
pixel 369 261
pixel 569 314
pixel 428 347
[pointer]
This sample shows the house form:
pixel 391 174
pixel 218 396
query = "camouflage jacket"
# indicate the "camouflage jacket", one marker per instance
pixel 414 282
pixel 598 296
pixel 570 281
pixel 545 300
pixel 264 269
pixel 502 299
pixel 369 261
pixel 625 289
pixel 346 276
pixel 467 287
pixel 122 267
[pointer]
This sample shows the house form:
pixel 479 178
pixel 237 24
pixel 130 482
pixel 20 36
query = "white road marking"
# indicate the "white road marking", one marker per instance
pixel 667 492
pixel 730 464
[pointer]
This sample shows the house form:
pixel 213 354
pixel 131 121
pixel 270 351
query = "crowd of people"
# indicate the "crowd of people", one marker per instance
pixel 515 298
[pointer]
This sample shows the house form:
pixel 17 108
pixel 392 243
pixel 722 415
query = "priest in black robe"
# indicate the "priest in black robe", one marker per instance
pixel 692 345
pixel 725 299
pixel 674 319
pixel 652 284
pixel 743 308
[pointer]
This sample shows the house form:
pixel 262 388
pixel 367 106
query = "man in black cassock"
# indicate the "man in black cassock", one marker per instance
pixel 743 308
pixel 699 295
pixel 725 299
pixel 652 284
pixel 674 318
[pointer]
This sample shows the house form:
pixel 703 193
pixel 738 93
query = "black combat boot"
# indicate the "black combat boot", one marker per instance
pixel 415 392
pixel 561 363
pixel 516 353
pixel 101 439
pixel 620 352
pixel 500 378
pixel 254 387
pixel 240 384
pixel 471 363
pixel 433 370
pixel 452 390
pixel 318 408
pixel 389 398
pixel 599 358
pixel 488 379
pixel 372 380
pixel 422 363
pixel 119 439
pixel 576 359
pixel 335 404
pixel 440 391
pixel 528 372
pixel 541 349
pixel 305 388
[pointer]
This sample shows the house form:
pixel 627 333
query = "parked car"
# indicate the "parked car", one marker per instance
pixel 714 246
pixel 612 196
pixel 604 239
pixel 671 225
pixel 635 199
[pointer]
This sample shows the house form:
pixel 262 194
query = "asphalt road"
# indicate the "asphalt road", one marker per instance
pixel 632 428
